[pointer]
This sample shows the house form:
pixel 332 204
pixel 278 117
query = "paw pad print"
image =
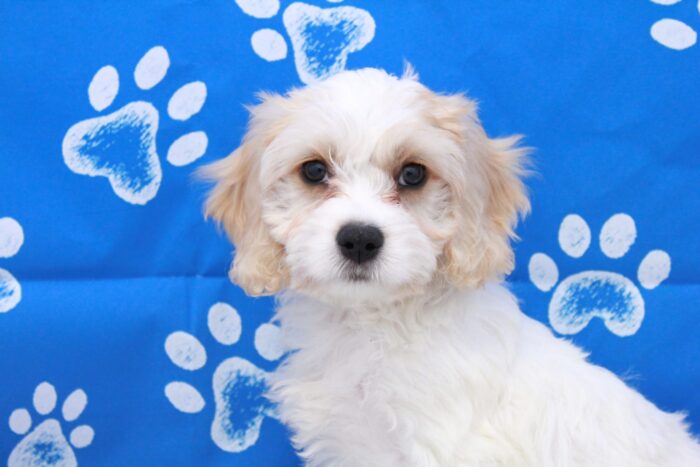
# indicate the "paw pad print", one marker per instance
pixel 238 385
pixel 607 295
pixel 11 240
pixel 673 33
pixel 321 38
pixel 46 445
pixel 121 146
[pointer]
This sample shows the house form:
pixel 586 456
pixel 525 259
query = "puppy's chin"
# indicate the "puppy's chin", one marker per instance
pixel 359 287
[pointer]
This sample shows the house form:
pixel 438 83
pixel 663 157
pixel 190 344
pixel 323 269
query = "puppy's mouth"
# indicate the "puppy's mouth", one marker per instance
pixel 358 274
pixel 358 277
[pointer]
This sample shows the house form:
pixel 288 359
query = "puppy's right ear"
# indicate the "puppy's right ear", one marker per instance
pixel 235 202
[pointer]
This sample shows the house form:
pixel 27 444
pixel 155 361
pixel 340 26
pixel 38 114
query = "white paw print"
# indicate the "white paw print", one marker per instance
pixel 607 295
pixel 672 33
pixel 11 240
pixel 46 445
pixel 321 38
pixel 121 146
pixel 238 385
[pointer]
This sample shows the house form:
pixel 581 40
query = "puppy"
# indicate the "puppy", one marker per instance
pixel 381 214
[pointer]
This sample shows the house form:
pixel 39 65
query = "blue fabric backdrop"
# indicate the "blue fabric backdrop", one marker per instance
pixel 122 340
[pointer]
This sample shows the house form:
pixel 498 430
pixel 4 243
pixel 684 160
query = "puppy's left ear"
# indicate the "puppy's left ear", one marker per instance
pixel 480 249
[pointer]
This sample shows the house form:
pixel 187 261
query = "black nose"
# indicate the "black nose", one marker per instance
pixel 359 242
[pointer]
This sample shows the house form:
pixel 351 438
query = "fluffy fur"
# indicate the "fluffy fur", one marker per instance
pixel 419 358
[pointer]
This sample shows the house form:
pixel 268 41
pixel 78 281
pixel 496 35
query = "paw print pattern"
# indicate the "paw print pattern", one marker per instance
pixel 11 240
pixel 672 33
pixel 121 146
pixel 607 295
pixel 321 38
pixel 45 445
pixel 238 385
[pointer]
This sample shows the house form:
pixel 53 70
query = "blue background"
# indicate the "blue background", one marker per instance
pixel 614 118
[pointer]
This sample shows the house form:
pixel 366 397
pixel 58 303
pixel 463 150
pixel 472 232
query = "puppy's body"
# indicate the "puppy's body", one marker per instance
pixel 384 212
pixel 466 380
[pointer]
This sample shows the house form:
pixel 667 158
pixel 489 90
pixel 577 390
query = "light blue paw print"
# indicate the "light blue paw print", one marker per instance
pixel 607 295
pixel 321 38
pixel 238 385
pixel 46 445
pixel 11 240
pixel 121 146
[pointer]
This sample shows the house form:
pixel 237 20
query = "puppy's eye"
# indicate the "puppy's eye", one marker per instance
pixel 412 176
pixel 314 172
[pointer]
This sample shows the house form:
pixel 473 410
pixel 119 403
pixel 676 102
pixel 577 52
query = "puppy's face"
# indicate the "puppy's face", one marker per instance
pixel 367 187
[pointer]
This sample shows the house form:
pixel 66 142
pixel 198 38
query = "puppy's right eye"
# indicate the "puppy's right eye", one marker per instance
pixel 314 172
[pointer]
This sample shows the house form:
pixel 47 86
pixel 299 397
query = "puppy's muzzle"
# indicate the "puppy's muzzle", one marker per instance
pixel 359 242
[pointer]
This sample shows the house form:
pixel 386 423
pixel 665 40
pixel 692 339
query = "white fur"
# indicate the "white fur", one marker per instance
pixel 427 361
pixel 464 379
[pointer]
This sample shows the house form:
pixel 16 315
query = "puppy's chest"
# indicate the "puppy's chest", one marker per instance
pixel 378 368
pixel 426 396
pixel 388 382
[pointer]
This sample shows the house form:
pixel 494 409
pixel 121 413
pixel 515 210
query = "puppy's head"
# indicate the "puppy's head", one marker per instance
pixel 367 186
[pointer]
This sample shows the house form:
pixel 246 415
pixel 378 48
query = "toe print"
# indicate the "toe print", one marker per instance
pixel 269 45
pixel 607 295
pixel 673 33
pixel 268 342
pixel 617 236
pixel 11 240
pixel 259 8
pixel 121 146
pixel 152 68
pixel 185 351
pixel 574 236
pixel 321 38
pixel 103 88
pixel 654 269
pixel 543 272
pixel 184 397
pixel 46 444
pixel 236 425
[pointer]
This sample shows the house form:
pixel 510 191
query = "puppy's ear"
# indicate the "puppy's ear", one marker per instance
pixel 486 213
pixel 235 202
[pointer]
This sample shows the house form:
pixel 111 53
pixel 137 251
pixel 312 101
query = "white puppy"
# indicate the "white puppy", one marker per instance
pixel 382 213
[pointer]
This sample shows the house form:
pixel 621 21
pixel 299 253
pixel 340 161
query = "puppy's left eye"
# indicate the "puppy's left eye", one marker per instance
pixel 412 176
pixel 314 172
